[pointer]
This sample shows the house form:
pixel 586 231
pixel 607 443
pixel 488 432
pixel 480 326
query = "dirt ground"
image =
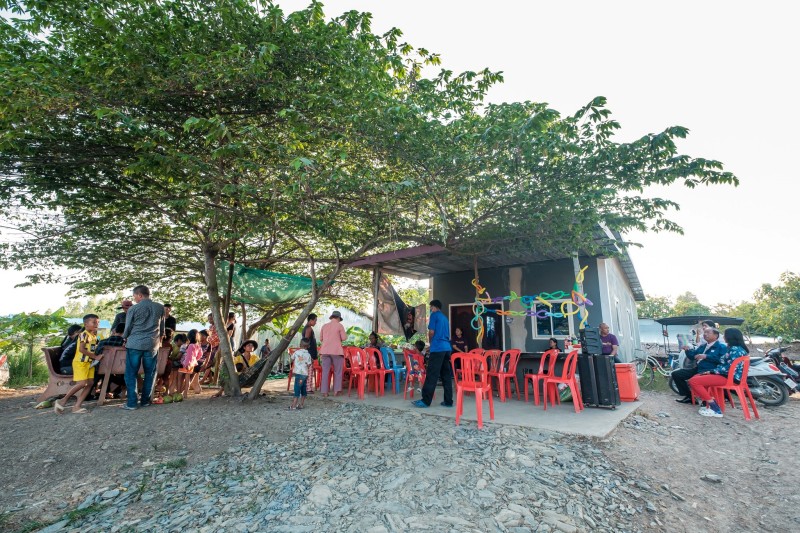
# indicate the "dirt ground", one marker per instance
pixel 666 447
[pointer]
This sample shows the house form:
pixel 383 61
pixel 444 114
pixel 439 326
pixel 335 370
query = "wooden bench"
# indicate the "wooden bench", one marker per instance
pixel 113 362
pixel 57 384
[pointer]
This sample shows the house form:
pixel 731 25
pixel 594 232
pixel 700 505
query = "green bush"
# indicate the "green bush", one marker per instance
pixel 18 366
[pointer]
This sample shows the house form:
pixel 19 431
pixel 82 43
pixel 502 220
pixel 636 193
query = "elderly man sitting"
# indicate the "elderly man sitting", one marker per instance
pixel 707 356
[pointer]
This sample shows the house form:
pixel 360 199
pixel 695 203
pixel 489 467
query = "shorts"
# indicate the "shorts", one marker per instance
pixel 82 371
pixel 300 385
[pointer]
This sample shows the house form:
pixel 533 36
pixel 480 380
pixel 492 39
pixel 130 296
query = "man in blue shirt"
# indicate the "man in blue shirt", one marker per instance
pixel 439 360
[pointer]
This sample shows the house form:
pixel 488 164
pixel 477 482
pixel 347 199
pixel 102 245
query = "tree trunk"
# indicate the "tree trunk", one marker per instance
pixel 282 345
pixel 242 331
pixel 225 350
pixel 298 323
pixel 30 361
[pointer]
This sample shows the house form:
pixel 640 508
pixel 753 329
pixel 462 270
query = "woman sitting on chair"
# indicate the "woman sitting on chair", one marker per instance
pixel 702 383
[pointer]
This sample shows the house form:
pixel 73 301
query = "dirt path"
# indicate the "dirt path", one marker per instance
pixel 756 463
pixel 663 450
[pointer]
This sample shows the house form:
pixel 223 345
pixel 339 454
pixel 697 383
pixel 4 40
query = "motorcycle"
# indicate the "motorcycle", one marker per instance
pixel 791 372
pixel 767 383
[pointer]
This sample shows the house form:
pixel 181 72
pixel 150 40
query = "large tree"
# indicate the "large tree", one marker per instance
pixel 148 141
pixel 777 307
pixel 688 304
pixel 654 307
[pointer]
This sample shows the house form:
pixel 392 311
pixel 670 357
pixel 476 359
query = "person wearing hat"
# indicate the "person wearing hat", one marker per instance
pixel 122 315
pixel 331 352
pixel 246 356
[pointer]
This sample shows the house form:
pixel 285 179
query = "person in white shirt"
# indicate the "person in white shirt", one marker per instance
pixel 301 359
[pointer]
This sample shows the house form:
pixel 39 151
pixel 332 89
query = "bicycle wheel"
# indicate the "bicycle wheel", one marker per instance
pixel 641 364
pixel 648 375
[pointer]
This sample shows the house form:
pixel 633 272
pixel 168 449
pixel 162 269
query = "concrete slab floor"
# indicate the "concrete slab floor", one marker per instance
pixel 591 422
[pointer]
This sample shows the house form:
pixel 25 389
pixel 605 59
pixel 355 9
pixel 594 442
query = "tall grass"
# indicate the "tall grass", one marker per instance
pixel 18 367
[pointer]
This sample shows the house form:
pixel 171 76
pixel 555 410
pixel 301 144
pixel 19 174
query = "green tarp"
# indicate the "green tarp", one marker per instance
pixel 253 286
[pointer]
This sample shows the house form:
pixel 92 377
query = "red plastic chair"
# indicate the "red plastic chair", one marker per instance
pixel 375 366
pixel 474 378
pixel 474 351
pixel 741 389
pixel 568 378
pixel 505 371
pixel 316 369
pixel 359 370
pixel 547 366
pixel 410 356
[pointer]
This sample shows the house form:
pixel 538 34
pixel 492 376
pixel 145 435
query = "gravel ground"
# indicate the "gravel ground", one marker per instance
pixel 218 465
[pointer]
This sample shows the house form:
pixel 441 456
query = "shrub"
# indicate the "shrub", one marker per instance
pixel 18 370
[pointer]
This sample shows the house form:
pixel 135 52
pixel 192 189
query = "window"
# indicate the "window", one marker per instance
pixel 551 326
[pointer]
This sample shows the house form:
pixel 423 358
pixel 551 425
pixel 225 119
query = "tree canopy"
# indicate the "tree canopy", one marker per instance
pixel 145 141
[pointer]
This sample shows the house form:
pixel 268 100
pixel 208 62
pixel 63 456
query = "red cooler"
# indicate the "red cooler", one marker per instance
pixel 628 382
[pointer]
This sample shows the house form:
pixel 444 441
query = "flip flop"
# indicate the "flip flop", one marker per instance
pixel 81 411
pixel 59 409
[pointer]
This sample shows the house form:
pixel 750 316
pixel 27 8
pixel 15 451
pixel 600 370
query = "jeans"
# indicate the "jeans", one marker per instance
pixel 680 377
pixel 300 385
pixel 148 360
pixel 438 366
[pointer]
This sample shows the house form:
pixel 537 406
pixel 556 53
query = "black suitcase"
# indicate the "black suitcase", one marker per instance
pixel 607 387
pixel 588 379
pixel 599 386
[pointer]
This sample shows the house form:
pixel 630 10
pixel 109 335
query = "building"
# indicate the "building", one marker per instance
pixel 610 283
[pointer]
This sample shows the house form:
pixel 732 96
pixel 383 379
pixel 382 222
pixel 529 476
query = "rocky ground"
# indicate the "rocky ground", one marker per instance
pixel 217 465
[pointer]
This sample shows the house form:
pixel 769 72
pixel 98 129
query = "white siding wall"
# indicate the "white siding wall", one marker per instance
pixel 617 307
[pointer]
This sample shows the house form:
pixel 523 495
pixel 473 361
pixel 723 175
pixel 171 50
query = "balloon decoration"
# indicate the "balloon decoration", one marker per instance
pixel 573 303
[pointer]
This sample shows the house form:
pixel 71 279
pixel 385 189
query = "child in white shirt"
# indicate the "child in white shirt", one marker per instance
pixel 301 359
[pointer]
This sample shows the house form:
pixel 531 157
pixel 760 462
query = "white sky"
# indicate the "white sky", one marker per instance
pixel 722 69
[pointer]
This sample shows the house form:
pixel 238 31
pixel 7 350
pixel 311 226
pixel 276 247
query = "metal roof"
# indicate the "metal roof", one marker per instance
pixel 420 262
pixel 691 320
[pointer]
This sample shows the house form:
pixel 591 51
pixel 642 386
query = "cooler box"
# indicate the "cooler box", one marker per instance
pixel 628 381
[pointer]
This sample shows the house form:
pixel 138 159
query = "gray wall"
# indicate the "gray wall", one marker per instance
pixel 525 280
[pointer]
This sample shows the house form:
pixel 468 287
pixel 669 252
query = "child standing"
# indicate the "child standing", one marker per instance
pixel 83 372
pixel 179 345
pixel 189 360
pixel 301 359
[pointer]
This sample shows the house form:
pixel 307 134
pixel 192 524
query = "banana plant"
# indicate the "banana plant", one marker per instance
pixel 26 330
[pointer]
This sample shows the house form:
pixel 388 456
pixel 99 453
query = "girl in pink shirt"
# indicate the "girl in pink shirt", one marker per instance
pixel 193 354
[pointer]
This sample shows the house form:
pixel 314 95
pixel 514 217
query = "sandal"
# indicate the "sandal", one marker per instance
pixel 81 411
pixel 58 408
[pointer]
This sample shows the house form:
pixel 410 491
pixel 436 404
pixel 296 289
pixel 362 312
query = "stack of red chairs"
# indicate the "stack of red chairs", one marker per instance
pixel 359 371
pixel 474 377
pixel 504 370
pixel 567 377
pixel 375 366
